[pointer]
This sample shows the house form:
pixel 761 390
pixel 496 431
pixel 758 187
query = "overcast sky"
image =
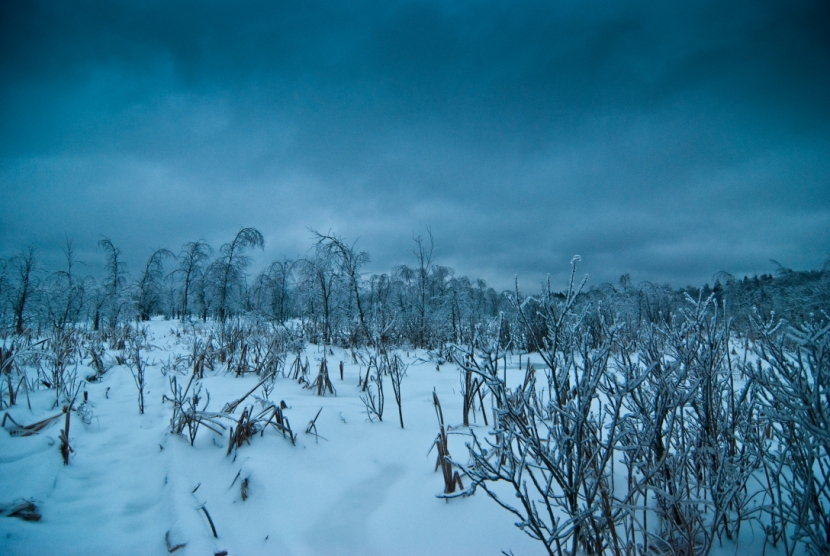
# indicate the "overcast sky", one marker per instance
pixel 666 140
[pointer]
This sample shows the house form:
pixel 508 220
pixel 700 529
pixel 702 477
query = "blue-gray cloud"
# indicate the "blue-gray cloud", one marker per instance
pixel 665 141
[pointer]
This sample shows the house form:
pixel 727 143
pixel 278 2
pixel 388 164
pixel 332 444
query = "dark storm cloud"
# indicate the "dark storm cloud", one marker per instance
pixel 665 141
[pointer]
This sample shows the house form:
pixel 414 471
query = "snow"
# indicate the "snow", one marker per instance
pixel 132 486
pixel 361 487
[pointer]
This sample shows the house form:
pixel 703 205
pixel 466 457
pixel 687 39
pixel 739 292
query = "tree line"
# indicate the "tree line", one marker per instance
pixel 328 296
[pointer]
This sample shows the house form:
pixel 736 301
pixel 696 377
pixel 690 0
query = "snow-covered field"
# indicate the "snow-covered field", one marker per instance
pixel 357 486
pixel 132 487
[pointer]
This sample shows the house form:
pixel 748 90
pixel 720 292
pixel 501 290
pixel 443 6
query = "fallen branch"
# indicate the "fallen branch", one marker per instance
pixel 23 509
pixel 312 426
pixel 231 407
pixel 28 430
pixel 171 547
pixel 207 515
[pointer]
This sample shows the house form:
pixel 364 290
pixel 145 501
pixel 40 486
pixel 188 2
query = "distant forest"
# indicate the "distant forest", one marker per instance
pixel 422 304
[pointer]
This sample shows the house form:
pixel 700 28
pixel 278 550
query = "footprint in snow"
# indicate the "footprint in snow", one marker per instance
pixel 342 530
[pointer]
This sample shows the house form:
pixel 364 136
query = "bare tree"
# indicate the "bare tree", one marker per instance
pixel 149 286
pixel 24 287
pixel 349 261
pixel 423 255
pixel 228 271
pixel 271 290
pixel 114 281
pixel 66 291
pixel 318 285
pixel 192 260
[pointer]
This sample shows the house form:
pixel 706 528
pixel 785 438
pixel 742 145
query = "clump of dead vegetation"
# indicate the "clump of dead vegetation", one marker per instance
pixel 249 424
pixel 27 510
pixel 190 409
pixel 322 383
pixel 451 478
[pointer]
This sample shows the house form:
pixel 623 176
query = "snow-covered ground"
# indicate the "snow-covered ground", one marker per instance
pixel 361 488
